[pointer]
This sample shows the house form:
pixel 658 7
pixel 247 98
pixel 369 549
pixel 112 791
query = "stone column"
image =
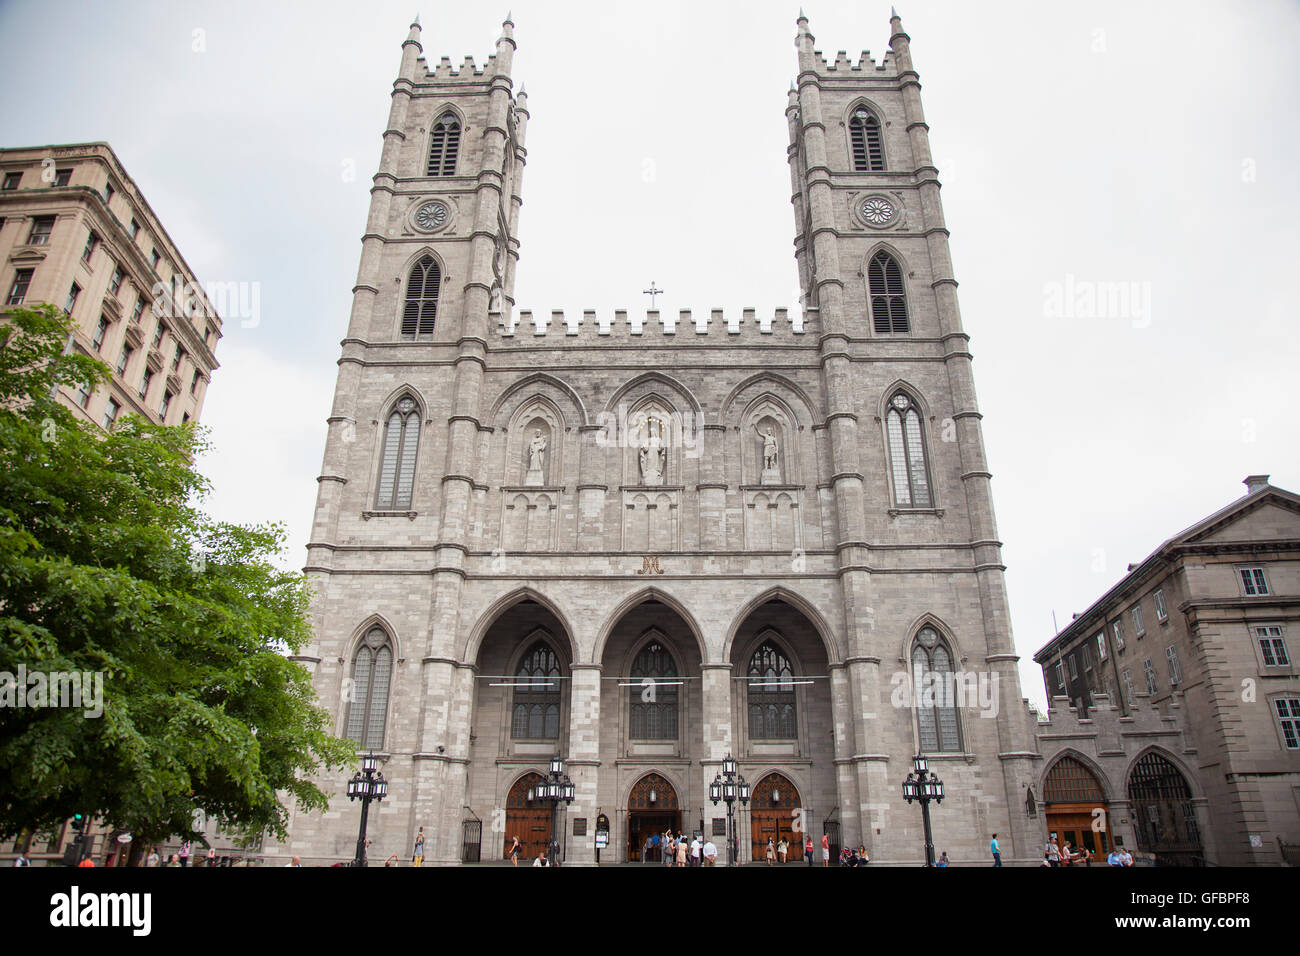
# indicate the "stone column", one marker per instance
pixel 583 762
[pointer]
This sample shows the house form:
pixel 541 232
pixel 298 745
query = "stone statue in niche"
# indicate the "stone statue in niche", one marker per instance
pixel 653 456
pixel 536 474
pixel 771 474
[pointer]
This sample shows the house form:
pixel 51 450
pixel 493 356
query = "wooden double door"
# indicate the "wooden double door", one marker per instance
pixel 772 816
pixel 528 819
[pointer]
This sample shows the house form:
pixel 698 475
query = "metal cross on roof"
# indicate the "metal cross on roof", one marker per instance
pixel 652 292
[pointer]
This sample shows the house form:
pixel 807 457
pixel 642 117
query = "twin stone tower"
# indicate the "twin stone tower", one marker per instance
pixel 645 542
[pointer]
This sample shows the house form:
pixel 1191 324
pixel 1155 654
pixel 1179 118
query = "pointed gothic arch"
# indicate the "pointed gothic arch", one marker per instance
pixel 887 297
pixel 934 668
pixel 637 598
pixel 399 450
pixel 866 137
pixel 420 293
pixel 369 684
pixel 444 143
pixel 537 699
pixel 797 601
pixel 907 452
pixel 474 642
pixel 654 700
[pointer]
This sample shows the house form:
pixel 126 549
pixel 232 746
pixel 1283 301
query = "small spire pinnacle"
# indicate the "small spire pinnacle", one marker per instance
pixel 893 13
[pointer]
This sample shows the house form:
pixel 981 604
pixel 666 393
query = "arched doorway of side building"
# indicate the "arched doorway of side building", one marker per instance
pixel 1164 816
pixel 1076 808
pixel 652 808
pixel 772 817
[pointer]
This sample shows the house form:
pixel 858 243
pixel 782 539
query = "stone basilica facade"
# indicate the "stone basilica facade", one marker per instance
pixel 644 542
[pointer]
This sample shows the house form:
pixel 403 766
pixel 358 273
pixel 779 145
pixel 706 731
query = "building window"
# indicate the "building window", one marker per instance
pixel 109 193
pixel 42 226
pixel 176 358
pixel 1074 667
pixel 653 694
pixel 62 177
pixel 888 295
pixel 1288 717
pixel 907 453
pixel 115 283
pixel 1117 632
pixel 194 382
pixel 71 302
pixel 771 695
pixel 83 394
pixel 135 229
pixel 1085 653
pixel 92 241
pixel 444 145
pixel 1149 669
pixel 1128 686
pixel 138 309
pixel 1272 646
pixel 124 360
pixel 18 291
pixel 1162 614
pixel 1252 579
pixel 153 259
pixel 159 331
pixel 371 672
pixel 97 341
pixel 397 466
pixel 535 714
pixel 165 406
pixel 864 136
pixel 1138 627
pixel 935 694
pixel 1175 672
pixel 421 299
pixel 1101 645
pixel 145 381
pixel 12 180
pixel 1060 676
pixel 110 413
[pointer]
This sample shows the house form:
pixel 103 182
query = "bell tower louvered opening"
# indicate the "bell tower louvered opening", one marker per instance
pixel 421 312
pixel 444 146
pixel 867 144
pixel 888 296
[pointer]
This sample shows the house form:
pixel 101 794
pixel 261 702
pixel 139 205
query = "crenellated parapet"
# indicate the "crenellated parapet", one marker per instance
pixel 843 65
pixel 671 326
pixel 445 72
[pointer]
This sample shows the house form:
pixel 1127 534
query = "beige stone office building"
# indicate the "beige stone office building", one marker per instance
pixel 1176 699
pixel 76 232
pixel 646 541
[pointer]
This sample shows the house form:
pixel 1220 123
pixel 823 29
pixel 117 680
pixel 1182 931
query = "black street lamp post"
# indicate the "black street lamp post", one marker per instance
pixel 729 786
pixel 555 788
pixel 921 784
pixel 366 784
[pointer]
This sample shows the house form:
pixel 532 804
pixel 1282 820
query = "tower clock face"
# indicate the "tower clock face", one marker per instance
pixel 431 216
pixel 877 210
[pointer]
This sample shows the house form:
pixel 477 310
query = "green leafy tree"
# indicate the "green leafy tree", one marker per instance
pixel 108 566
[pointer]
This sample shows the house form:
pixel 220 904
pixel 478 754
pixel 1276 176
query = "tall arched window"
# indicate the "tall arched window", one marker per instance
pixel 935 693
pixel 444 145
pixel 397 465
pixel 372 669
pixel 421 310
pixel 536 711
pixel 653 694
pixel 864 136
pixel 771 694
pixel 888 295
pixel 907 462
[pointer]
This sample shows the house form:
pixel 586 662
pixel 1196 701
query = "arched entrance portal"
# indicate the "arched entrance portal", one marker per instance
pixel 1163 814
pixel 1076 807
pixel 772 817
pixel 651 808
pixel 527 818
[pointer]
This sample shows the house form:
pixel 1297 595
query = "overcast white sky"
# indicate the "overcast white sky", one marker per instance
pixel 1151 143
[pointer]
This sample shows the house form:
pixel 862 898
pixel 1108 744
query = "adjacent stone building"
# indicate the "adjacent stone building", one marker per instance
pixel 76 232
pixel 1179 696
pixel 645 541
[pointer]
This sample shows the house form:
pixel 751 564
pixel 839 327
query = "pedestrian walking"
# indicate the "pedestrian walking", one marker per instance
pixel 681 849
pixel 153 859
pixel 513 852
pixel 782 849
pixel 997 853
pixel 710 853
pixel 417 855
pixel 826 850
pixel 23 859
pixel 185 853
pixel 770 852
pixel 696 846
pixel 1053 852
pixel 808 851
